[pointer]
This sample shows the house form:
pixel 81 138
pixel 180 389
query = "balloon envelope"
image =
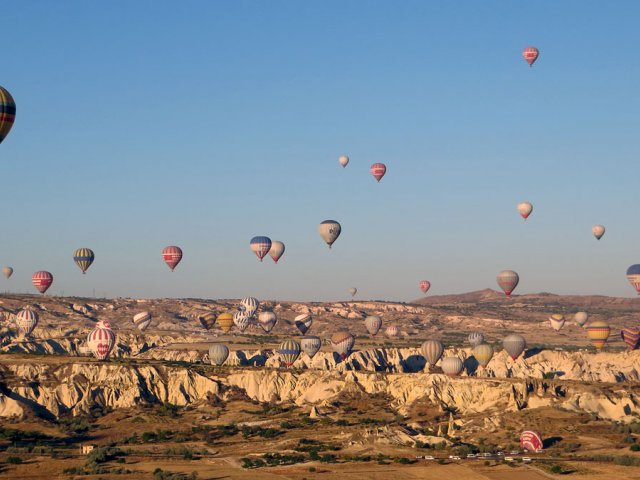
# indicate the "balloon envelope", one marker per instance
pixel 581 318
pixel 475 338
pixel 289 350
pixel 249 305
pixel 531 441
pixel 353 291
pixel 432 350
pixel 172 256
pixel 483 353
pixel 508 281
pixel 7 271
pixel 207 320
pixel 598 332
pixel 310 345
pixel 84 258
pixel 631 337
pixel 42 281
pixel 514 345
pixel 373 323
pixel 525 209
pixel 392 331
pixel 142 320
pixel 101 340
pixel 556 321
pixel 342 343
pixel 378 170
pixel 26 321
pixel 225 321
pixel 530 54
pixel 276 250
pixel 425 285
pixel 452 366
pixel 598 231
pixel 633 275
pixel 329 230
pixel 303 322
pixel 260 246
pixel 7 113
pixel 218 354
pixel 267 320
pixel 241 320
pixel 344 160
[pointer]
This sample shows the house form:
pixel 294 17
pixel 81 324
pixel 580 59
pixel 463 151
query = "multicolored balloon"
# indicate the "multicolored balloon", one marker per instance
pixel 218 354
pixel 303 322
pixel 310 345
pixel 344 160
pixel 475 338
pixel 249 305
pixel 83 257
pixel 353 291
pixel 531 441
pixel 525 209
pixel 432 350
pixel 101 340
pixel 260 246
pixel 483 353
pixel 581 318
pixel 7 272
pixel 225 321
pixel 208 320
pixel 425 285
pixel 508 281
pixel 514 345
pixel 373 323
pixel 598 332
pixel 142 320
pixel 172 256
pixel 241 320
pixel 556 321
pixel 633 275
pixel 598 231
pixel 267 320
pixel 289 350
pixel 631 336
pixel 42 281
pixel 378 170
pixel 329 231
pixel 452 366
pixel 26 321
pixel 392 331
pixel 342 343
pixel 276 250
pixel 7 113
pixel 530 54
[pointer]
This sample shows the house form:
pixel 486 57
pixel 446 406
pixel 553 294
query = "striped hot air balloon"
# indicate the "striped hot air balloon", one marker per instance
pixel 598 231
pixel 344 160
pixel 241 320
pixel 218 354
pixel 142 320
pixel 392 331
pixel 310 345
pixel 633 275
pixel 42 281
pixel 556 321
pixel 303 322
pixel 452 366
pixel 225 321
pixel 598 332
pixel 249 305
pixel 7 272
pixel 7 113
pixel 525 209
pixel 581 318
pixel 432 350
pixel 631 336
pixel 84 258
pixel 342 343
pixel 276 250
pixel 531 441
pixel 26 321
pixel 208 319
pixel 508 281
pixel 425 285
pixel 289 350
pixel 260 246
pixel 329 230
pixel 378 170
pixel 101 340
pixel 530 55
pixel 373 323
pixel 267 320
pixel 514 345
pixel 475 338
pixel 172 256
pixel 483 353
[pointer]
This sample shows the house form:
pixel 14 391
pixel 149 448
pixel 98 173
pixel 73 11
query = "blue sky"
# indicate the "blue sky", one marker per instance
pixel 202 124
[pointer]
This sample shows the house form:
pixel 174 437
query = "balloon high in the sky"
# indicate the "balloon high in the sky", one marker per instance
pixel 342 343
pixel 7 113
pixel 329 231
pixel 633 275
pixel 7 272
pixel 631 337
pixel 26 321
pixel 432 350
pixel 225 321
pixel 514 345
pixel 598 332
pixel 303 322
pixel 172 256
pixel 142 320
pixel 373 323
pixel 353 291
pixel 276 250
pixel 84 258
pixel 218 354
pixel 425 285
pixel 483 353
pixel 452 366
pixel 581 318
pixel 260 246
pixel 101 340
pixel 378 170
pixel 344 160
pixel 508 281
pixel 289 350
pixel 598 231
pixel 267 320
pixel 42 281
pixel 530 54
pixel 310 345
pixel 556 321
pixel 525 209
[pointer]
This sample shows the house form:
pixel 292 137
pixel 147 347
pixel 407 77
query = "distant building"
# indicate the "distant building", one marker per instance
pixel 86 449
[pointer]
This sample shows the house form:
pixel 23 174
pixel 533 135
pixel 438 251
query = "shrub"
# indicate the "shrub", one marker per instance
pixel 635 447
pixel 557 469
pixel 14 460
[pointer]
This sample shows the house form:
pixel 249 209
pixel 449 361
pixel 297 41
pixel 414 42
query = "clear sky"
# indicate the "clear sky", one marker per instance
pixel 201 124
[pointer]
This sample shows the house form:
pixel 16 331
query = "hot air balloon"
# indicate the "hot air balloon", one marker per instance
pixel 633 275
pixel 432 350
pixel 452 366
pixel 483 354
pixel 218 354
pixel 373 323
pixel 260 246
pixel 581 318
pixel 353 291
pixel 289 350
pixel 7 272
pixel 207 320
pixel 310 345
pixel 530 54
pixel 342 343
pixel 425 285
pixel 225 321
pixel 475 338
pixel 631 336
pixel 392 331
pixel 598 332
pixel 84 258
pixel 598 231
pixel 329 231
pixel 26 321
pixel 142 320
pixel 378 170
pixel 172 256
pixel 249 305
pixel 241 320
pixel 7 113
pixel 101 340
pixel 42 281
pixel 514 345
pixel 508 281
pixel 557 321
pixel 344 160
pixel 267 320
pixel 303 322
pixel 276 250
pixel 531 441
pixel 525 209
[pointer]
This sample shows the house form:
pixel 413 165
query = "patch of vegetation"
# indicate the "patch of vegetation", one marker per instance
pixel 160 474
pixel 168 410
pixel 248 432
pixel 273 459
pixel 19 436
pixel 13 460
